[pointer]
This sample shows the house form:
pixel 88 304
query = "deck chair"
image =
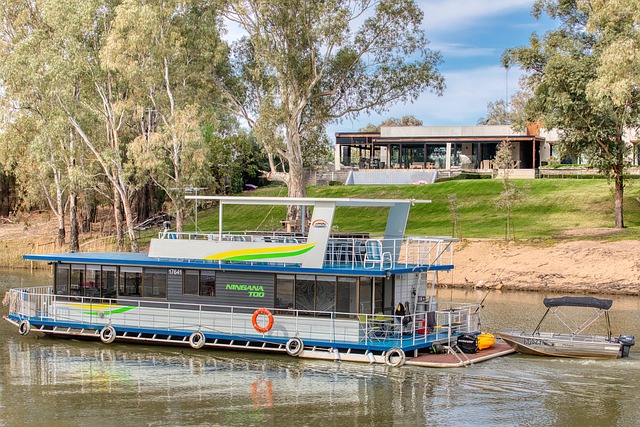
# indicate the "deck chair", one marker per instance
pixel 375 256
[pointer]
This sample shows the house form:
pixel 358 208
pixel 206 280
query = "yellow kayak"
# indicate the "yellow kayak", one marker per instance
pixel 485 341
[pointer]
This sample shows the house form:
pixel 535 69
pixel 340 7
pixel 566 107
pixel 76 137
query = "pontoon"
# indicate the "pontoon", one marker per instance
pixel 310 292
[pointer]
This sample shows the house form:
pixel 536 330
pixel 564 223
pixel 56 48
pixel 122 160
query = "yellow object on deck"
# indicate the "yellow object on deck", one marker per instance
pixel 485 341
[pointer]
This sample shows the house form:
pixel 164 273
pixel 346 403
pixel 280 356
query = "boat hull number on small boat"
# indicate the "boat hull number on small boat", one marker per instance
pixel 257 326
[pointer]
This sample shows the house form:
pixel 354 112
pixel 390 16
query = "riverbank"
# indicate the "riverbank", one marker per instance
pixel 584 263
pixel 576 266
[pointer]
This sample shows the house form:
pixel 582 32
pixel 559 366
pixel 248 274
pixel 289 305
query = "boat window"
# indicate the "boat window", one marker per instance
pixel 91 286
pixel 305 292
pixel 77 279
pixel 199 282
pixel 365 293
pixel 346 295
pixel 208 283
pixel 109 280
pixel 325 293
pixel 130 281
pixel 191 282
pixel 284 291
pixel 62 279
pixel 378 292
pixel 155 283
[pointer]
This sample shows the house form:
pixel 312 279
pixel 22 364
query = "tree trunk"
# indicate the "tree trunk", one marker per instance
pixel 74 245
pixel 117 217
pixel 296 188
pixel 61 234
pixel 180 219
pixel 619 193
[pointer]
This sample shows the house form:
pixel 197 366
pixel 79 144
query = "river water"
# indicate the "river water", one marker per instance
pixel 61 382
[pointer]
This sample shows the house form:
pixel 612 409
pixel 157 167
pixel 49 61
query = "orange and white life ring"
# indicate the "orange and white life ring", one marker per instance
pixel 254 320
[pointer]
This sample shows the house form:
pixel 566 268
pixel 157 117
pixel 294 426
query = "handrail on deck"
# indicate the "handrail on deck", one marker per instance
pixel 39 304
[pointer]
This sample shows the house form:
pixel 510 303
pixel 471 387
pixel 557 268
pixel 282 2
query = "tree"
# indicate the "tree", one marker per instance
pixel 168 51
pixel 511 194
pixel 501 113
pixel 576 85
pixel 301 67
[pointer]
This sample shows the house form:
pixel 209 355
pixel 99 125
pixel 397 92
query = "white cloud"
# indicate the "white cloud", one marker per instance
pixel 460 50
pixel 463 103
pixel 451 15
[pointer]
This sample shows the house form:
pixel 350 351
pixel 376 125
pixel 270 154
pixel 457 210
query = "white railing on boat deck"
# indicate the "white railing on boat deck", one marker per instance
pixel 350 252
pixel 40 306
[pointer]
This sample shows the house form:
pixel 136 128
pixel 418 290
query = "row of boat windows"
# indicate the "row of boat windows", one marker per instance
pixel 301 292
pixel 110 281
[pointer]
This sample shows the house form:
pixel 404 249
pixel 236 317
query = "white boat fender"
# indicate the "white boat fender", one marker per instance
pixel 24 327
pixel 294 346
pixel 372 357
pixel 397 354
pixel 108 334
pixel 197 340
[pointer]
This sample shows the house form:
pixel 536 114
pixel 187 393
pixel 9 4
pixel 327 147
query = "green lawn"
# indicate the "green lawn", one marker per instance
pixel 551 207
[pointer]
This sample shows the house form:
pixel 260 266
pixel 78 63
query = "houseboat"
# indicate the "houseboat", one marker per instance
pixel 309 293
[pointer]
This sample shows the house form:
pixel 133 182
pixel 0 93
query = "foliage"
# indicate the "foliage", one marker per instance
pixel 500 112
pixel 571 72
pixel 301 67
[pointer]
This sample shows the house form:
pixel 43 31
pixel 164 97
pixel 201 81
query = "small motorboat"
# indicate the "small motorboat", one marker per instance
pixel 574 343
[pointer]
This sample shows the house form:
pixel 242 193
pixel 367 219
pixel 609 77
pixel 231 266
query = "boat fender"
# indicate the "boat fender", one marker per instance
pixel 397 354
pixel 108 334
pixel 294 346
pixel 24 327
pixel 197 340
pixel 254 320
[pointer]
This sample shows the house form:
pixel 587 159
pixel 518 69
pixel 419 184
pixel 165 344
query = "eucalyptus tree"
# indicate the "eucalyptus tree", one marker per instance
pixel 306 63
pixel 35 76
pixel 577 85
pixel 168 51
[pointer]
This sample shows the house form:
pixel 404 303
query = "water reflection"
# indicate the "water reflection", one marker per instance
pixel 70 382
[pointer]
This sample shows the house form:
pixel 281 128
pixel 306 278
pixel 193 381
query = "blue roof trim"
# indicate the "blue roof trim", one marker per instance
pixel 143 260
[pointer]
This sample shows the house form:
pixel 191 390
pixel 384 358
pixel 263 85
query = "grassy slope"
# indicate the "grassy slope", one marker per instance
pixel 550 207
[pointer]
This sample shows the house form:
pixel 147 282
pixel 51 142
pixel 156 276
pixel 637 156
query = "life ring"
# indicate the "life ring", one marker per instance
pixel 396 353
pixel 197 340
pixel 108 334
pixel 254 320
pixel 24 327
pixel 294 346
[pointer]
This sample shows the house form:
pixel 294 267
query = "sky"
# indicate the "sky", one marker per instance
pixel 471 35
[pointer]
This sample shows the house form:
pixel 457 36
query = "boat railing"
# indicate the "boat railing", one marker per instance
pixel 349 252
pixel 371 330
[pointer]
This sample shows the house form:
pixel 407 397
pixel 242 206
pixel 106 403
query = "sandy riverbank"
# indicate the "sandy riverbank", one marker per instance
pixel 580 266
pixel 585 266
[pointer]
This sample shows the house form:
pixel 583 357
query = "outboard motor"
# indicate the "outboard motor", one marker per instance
pixel 468 343
pixel 627 341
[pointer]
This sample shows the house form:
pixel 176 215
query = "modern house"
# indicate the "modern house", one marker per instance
pixel 441 148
